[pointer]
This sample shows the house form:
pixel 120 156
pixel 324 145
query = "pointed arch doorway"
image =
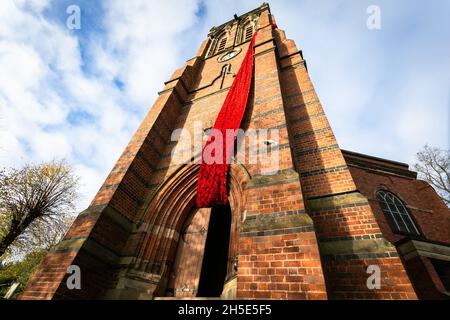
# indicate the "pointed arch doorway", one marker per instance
pixel 173 236
pixel 204 260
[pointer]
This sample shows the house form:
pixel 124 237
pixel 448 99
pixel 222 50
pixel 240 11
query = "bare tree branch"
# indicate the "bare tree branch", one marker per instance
pixel 434 167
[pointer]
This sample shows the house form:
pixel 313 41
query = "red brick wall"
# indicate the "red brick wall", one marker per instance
pixel 280 267
pixel 430 214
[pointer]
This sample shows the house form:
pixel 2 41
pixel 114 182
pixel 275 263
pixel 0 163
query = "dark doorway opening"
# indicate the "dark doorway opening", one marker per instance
pixel 442 268
pixel 215 259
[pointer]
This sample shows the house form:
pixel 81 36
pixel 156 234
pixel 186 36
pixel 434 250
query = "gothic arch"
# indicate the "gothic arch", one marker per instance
pixel 249 21
pixel 215 45
pixel 170 207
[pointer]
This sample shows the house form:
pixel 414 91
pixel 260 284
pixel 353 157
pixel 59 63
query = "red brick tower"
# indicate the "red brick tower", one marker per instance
pixel 304 232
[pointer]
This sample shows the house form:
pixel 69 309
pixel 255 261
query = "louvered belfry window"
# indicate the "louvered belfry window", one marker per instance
pixel 248 33
pixel 222 44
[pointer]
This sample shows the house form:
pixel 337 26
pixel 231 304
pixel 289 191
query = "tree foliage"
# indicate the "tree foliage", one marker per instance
pixel 19 271
pixel 434 167
pixel 36 204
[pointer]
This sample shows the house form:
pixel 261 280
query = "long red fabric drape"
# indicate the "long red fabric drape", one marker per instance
pixel 212 178
pixel 211 188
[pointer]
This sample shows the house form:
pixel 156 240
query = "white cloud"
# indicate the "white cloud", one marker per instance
pixel 49 145
pixel 35 5
pixel 390 86
pixel 45 81
pixel 385 92
pixel 142 37
pixel 90 181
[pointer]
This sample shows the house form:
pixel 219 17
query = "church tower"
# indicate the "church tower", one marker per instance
pixel 301 232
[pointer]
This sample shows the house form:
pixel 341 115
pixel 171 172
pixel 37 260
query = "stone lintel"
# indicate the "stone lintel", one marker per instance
pixel 110 212
pixel 264 223
pixel 88 245
pixel 269 225
pixel 331 202
pixel 356 247
pixel 283 176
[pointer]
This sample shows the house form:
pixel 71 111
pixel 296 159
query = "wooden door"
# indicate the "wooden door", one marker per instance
pixel 187 267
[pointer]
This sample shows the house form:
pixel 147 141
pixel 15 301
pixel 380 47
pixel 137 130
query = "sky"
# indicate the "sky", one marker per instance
pixel 81 93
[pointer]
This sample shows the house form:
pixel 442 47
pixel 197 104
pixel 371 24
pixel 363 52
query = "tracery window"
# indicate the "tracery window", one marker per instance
pixel 217 45
pixel 396 214
pixel 222 44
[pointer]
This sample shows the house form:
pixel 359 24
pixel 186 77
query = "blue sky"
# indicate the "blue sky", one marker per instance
pixel 80 94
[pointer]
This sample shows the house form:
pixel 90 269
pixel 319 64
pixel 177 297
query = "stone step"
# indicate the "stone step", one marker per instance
pixel 187 298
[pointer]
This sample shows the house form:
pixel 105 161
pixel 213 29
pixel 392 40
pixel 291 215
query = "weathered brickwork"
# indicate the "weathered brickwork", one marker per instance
pixel 308 231
pixel 427 210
